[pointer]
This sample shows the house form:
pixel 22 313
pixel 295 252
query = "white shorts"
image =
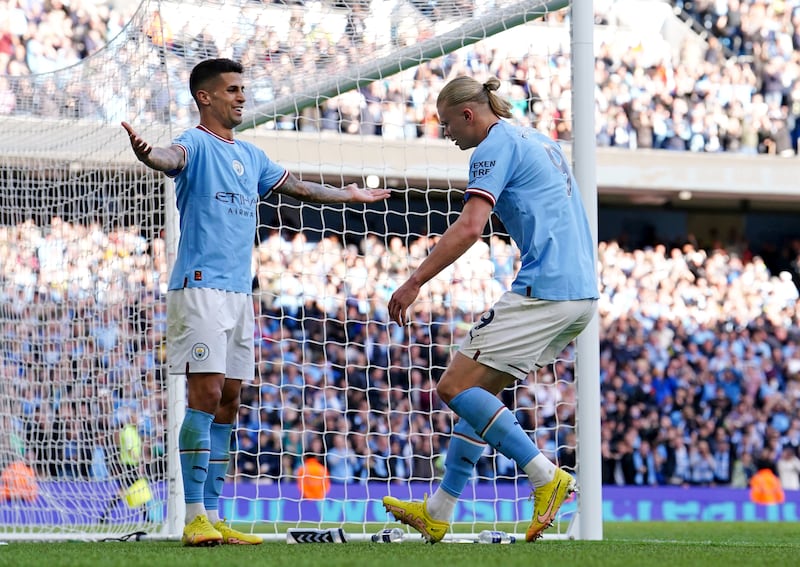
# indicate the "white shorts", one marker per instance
pixel 210 331
pixel 519 334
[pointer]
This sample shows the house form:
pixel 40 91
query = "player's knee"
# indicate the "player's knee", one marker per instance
pixel 229 402
pixel 447 390
pixel 205 395
pixel 227 411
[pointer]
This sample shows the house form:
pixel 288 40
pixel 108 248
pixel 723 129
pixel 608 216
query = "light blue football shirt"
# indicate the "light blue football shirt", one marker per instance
pixel 526 177
pixel 217 193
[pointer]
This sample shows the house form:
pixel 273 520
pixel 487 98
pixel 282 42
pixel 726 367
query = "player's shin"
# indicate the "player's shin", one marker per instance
pixel 463 452
pixel 217 467
pixel 194 443
pixel 495 423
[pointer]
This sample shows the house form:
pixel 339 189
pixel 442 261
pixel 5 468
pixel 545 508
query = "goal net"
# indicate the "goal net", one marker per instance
pixel 338 92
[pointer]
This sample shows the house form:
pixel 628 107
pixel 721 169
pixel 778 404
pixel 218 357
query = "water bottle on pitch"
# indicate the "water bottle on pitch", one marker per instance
pixel 389 535
pixel 494 536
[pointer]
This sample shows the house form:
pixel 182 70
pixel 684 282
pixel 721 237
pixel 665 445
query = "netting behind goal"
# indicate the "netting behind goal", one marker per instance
pixel 338 92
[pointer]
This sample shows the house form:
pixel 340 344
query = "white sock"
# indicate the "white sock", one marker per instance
pixel 441 504
pixel 213 516
pixel 193 510
pixel 540 470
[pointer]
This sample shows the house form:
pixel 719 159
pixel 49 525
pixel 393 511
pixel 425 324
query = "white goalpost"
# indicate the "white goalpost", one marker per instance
pixel 339 91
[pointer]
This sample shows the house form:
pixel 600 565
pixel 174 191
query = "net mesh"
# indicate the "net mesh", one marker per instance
pixel 338 91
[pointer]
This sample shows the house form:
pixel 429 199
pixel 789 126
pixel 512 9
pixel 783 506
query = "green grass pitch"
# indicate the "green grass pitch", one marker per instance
pixel 670 544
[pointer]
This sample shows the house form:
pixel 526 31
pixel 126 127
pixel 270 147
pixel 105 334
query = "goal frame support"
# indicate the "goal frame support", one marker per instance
pixel 588 521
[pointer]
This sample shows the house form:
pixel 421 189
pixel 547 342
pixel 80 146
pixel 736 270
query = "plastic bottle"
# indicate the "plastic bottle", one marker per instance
pixel 389 535
pixel 492 536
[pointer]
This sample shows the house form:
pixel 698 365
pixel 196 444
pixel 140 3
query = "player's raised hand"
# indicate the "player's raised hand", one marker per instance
pixel 141 148
pixel 170 159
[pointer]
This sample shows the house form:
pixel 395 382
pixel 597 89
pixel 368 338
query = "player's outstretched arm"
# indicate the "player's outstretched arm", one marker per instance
pixel 317 193
pixel 160 159
pixel 457 239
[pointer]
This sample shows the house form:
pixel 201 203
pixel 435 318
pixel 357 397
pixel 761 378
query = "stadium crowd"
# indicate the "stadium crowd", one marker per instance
pixel 700 363
pixel 740 92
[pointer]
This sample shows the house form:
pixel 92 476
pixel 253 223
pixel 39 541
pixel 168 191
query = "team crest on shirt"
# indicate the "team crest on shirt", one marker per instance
pixel 200 352
pixel 238 167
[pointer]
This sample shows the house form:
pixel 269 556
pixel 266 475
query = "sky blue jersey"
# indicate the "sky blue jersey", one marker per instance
pixel 217 193
pixel 526 177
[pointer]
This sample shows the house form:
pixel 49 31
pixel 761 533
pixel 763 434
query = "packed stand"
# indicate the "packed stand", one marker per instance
pixel 700 364
pixel 739 92
pixel 83 346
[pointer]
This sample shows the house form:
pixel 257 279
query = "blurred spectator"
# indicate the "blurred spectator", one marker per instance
pixel 788 467
pixel 723 462
pixel 743 470
pixel 378 457
pixel 341 460
pixel 702 464
pixel 609 463
pixel 423 467
pixel 313 479
pixel 644 463
pixel 765 486
pixel 18 482
pixel 246 451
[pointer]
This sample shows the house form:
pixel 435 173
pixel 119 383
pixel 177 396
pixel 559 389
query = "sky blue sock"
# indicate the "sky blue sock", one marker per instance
pixel 495 423
pixel 194 443
pixel 217 464
pixel 462 455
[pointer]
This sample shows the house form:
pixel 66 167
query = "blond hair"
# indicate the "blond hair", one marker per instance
pixel 465 89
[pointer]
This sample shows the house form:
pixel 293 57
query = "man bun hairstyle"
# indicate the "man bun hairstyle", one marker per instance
pixel 211 69
pixel 465 89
